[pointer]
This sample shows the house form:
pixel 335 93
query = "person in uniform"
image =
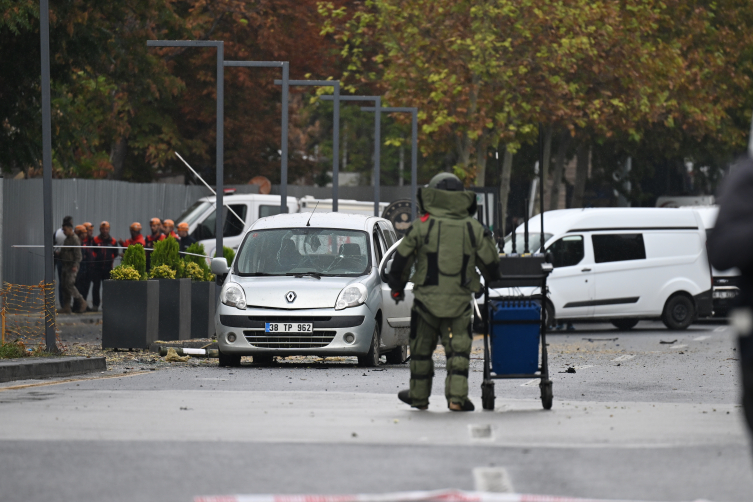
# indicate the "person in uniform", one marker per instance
pixel 446 245
pixel 82 277
pixel 70 258
pixel 103 254
pixel 155 225
pixel 136 237
pixel 185 239
pixel 170 229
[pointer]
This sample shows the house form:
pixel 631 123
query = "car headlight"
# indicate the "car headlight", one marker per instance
pixel 351 296
pixel 232 295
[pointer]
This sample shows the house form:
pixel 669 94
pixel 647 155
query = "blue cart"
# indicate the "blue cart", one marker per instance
pixel 515 327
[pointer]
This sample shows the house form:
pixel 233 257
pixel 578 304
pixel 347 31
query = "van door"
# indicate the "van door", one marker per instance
pixel 621 276
pixel 571 284
pixel 232 228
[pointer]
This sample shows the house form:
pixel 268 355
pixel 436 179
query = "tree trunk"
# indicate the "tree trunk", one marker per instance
pixel 559 167
pixel 581 174
pixel 544 172
pixel 401 165
pixel 481 155
pixel 504 188
pixel 118 151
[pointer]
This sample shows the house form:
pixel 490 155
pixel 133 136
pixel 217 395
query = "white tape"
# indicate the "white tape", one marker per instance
pixel 195 352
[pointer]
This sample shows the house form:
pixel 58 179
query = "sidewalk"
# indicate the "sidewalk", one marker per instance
pixel 25 368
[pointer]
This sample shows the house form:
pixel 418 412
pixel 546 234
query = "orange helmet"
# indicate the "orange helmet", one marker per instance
pixel 169 224
pixel 88 225
pixel 136 226
pixel 104 224
pixel 183 226
pixel 79 229
pixel 155 221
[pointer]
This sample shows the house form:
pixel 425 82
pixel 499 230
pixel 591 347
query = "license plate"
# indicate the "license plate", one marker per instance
pixel 725 294
pixel 289 327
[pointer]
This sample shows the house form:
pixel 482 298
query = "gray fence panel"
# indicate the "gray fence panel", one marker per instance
pixel 119 203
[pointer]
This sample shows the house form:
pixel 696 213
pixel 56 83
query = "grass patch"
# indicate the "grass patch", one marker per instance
pixel 12 350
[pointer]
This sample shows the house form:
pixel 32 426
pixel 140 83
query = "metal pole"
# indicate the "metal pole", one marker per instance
pixel 284 146
pixel 219 252
pixel 49 266
pixel 414 164
pixel 377 151
pixel 336 147
pixel 541 185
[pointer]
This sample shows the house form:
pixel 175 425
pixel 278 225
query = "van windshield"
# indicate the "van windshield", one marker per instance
pixel 533 242
pixel 314 251
pixel 193 213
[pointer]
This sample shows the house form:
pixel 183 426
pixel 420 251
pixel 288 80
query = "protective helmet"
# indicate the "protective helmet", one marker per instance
pixel 169 224
pixel 183 226
pixel 104 224
pixel 136 226
pixel 155 221
pixel 88 225
pixel 446 181
pixel 79 229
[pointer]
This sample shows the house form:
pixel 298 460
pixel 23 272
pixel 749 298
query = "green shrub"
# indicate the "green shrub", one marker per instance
pixel 228 254
pixel 125 273
pixel 12 350
pixel 194 272
pixel 166 252
pixel 135 257
pixel 162 272
pixel 200 262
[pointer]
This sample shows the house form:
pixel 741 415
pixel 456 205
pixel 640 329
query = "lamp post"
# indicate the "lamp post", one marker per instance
pixel 49 265
pixel 414 148
pixel 284 140
pixel 377 139
pixel 335 126
pixel 219 45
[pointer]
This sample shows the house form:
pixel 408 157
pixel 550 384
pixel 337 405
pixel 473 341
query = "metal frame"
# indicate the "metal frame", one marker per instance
pixel 414 148
pixel 219 45
pixel 284 139
pixel 335 84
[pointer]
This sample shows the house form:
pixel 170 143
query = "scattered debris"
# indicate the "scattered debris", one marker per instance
pixel 600 339
pixel 353 434
pixel 569 370
pixel 173 357
pixel 666 342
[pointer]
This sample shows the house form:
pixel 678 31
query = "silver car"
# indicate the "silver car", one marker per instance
pixel 308 284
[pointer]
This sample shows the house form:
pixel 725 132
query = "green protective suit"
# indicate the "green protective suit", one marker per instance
pixel 444 247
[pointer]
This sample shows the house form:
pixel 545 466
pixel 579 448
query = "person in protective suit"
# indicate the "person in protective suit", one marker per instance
pixel 446 245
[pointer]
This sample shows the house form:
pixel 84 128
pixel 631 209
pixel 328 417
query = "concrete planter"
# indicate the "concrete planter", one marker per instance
pixel 174 309
pixel 202 309
pixel 130 315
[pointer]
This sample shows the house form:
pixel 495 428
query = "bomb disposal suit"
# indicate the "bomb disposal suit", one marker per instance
pixel 446 245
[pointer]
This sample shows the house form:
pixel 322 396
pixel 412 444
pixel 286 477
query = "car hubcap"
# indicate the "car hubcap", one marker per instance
pixel 680 312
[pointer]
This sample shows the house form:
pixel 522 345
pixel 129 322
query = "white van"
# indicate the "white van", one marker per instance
pixel 726 283
pixel 201 217
pixel 622 265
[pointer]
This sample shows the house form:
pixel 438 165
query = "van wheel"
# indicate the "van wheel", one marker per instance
pixel 229 360
pixel 551 322
pixel 371 358
pixel 679 312
pixel 398 355
pixel 624 324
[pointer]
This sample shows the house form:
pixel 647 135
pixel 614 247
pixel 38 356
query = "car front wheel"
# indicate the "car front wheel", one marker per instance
pixel 398 355
pixel 229 360
pixel 371 359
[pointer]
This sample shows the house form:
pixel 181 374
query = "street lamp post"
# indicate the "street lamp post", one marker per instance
pixel 377 140
pixel 335 126
pixel 284 140
pixel 414 147
pixel 220 123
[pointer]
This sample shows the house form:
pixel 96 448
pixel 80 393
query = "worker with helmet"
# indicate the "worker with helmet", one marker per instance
pixel 83 279
pixel 185 239
pixel 446 245
pixel 170 229
pixel 136 237
pixel 104 250
pixel 155 225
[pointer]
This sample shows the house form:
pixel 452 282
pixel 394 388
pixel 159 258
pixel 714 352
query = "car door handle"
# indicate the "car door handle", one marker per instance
pixel 586 270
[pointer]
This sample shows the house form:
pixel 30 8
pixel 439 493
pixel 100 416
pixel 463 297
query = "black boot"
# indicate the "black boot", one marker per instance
pixel 466 406
pixel 404 396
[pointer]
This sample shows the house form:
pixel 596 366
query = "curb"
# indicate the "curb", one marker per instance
pixel 183 344
pixel 46 367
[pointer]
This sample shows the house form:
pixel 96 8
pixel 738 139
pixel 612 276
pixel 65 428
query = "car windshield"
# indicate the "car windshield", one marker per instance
pixel 194 212
pixel 314 251
pixel 533 242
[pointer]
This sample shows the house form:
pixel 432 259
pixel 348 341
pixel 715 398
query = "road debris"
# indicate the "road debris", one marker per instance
pixel 173 357
pixel 664 342
pixel 600 339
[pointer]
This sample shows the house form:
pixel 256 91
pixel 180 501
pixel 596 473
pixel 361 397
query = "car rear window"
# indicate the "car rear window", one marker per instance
pixel 618 247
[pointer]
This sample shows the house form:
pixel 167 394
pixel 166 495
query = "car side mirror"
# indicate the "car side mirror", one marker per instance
pixel 219 267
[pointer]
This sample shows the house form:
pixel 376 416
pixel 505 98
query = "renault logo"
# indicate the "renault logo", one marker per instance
pixel 290 296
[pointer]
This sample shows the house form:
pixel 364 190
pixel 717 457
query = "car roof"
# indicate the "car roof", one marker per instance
pixel 346 221
pixel 611 218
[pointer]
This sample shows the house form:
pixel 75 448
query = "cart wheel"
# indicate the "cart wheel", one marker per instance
pixel 487 395
pixel 546 394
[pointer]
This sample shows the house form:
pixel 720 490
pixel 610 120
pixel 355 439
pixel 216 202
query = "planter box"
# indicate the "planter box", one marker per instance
pixel 130 315
pixel 203 303
pixel 174 309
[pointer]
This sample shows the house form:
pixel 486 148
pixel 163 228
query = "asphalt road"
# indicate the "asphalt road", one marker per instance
pixel 638 420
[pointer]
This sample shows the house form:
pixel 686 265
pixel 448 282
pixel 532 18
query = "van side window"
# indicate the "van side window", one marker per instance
pixel 567 251
pixel 618 247
pixel 265 211
pixel 232 227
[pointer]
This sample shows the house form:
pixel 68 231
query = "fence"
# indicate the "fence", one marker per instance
pixel 23 314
